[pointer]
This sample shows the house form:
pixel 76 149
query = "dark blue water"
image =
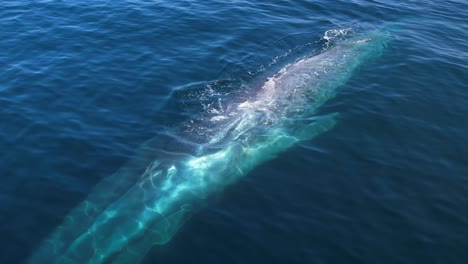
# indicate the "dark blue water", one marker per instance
pixel 84 83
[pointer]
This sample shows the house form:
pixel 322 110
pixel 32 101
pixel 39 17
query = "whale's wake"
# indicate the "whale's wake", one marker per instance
pixel 146 202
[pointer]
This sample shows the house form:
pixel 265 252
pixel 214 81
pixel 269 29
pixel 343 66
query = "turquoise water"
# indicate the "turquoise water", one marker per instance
pixel 85 84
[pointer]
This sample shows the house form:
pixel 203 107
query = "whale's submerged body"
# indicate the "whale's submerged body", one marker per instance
pixel 146 202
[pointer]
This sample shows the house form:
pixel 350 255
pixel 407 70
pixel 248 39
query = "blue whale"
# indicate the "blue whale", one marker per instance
pixel 144 203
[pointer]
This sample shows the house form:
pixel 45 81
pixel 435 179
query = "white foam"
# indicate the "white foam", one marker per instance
pixel 218 118
pixel 333 33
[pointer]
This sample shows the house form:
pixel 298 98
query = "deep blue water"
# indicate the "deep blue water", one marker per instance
pixel 84 83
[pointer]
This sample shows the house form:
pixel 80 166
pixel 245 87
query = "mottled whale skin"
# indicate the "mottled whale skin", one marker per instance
pixel 146 202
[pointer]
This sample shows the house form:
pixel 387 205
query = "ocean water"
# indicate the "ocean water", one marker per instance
pixel 84 84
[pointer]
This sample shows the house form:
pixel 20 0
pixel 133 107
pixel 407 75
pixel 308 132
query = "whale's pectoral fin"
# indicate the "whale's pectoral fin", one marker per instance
pixel 319 125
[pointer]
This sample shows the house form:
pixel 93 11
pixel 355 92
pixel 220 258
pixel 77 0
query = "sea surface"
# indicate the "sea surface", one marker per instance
pixel 84 83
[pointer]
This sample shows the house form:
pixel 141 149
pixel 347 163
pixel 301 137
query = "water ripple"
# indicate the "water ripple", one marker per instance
pixel 84 83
